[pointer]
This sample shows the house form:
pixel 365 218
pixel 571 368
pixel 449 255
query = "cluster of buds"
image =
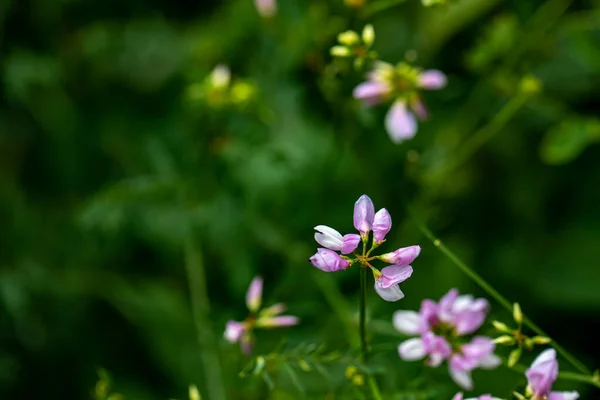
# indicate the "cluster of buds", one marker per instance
pixel 401 85
pixel 352 45
pixel 243 332
pixel 366 220
pixel 440 328
pixel 515 337
pixel 354 375
pixel 219 91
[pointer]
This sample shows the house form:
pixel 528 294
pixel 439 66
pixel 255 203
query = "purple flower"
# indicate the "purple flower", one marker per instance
pixel 465 313
pixel 266 8
pixel 364 214
pixel 386 281
pixel 382 223
pixel 333 240
pixel 476 354
pixel 403 256
pixel 328 260
pixel 401 84
pixel 254 294
pixel 413 323
pixel 269 317
pixel 542 374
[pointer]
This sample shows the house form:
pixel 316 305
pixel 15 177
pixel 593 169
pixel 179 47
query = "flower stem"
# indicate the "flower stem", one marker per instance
pixel 491 291
pixel 200 310
pixel 363 315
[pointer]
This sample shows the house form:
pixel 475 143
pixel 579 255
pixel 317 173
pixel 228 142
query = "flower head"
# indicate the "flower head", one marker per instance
pixel 542 374
pixel 401 85
pixel 439 327
pixel 365 220
pixel 243 332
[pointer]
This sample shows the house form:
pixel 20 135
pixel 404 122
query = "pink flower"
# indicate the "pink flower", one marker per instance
pixel 333 240
pixel 465 313
pixel 403 256
pixel 542 374
pixel 436 348
pixel 269 317
pixel 401 84
pixel 254 294
pixel 364 214
pixel 386 281
pixel 266 8
pixel 382 223
pixel 476 354
pixel 328 260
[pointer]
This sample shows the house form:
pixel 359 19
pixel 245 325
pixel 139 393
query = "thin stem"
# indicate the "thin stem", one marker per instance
pixel 374 388
pixel 490 290
pixel 200 310
pixel 363 315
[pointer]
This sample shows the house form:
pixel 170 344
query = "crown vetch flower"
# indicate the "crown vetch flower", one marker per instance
pixel 243 332
pixel 439 327
pixel 400 84
pixel 365 220
pixel 541 376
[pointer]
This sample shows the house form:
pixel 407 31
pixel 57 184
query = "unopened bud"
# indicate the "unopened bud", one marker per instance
pixel 513 357
pixel 501 326
pixel 541 340
pixel 348 38
pixel 194 393
pixel 530 85
pixel 368 35
pixel 517 313
pixel 304 365
pixel 260 365
pixel 358 380
pixel 505 339
pixel 339 51
pixel 351 370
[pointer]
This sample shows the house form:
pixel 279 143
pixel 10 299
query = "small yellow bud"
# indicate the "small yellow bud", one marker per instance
pixel 517 313
pixel 194 393
pixel 339 51
pixel 242 92
pixel 530 85
pixel 513 357
pixel 304 365
pixel 351 370
pixel 500 326
pixel 505 339
pixel 541 340
pixel 528 343
pixel 358 380
pixel 348 38
pixel 368 35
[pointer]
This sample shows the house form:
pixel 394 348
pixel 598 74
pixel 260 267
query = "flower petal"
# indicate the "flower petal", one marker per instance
pixel 328 260
pixel 403 256
pixel 400 123
pixel 350 243
pixel 563 396
pixel 462 378
pixel 432 79
pixel 234 331
pixel 408 322
pixel 254 294
pixel 392 293
pixel 371 93
pixel 382 223
pixel 412 349
pixel 364 214
pixel 328 237
pixel 274 322
pixel 395 274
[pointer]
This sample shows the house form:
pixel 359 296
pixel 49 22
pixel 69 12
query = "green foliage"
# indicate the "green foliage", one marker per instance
pixel 109 167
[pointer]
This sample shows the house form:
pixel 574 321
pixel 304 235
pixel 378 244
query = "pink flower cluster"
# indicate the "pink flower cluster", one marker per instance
pixel 366 220
pixel 439 327
pixel 269 317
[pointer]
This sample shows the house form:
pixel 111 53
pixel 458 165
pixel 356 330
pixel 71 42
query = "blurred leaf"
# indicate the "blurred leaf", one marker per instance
pixel 566 140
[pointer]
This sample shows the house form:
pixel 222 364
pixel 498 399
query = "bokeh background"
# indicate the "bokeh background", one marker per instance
pixel 116 176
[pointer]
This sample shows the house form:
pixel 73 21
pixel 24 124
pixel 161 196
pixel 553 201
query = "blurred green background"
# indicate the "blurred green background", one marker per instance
pixel 113 179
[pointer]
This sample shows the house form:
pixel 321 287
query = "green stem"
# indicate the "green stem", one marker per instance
pixel 378 6
pixel 363 315
pixel 374 388
pixel 200 310
pixel 491 291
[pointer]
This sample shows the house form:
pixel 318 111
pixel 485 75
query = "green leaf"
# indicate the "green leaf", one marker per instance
pixel 566 140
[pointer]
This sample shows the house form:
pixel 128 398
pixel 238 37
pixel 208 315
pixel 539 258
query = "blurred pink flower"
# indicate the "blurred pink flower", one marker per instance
pixel 266 8
pixel 541 376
